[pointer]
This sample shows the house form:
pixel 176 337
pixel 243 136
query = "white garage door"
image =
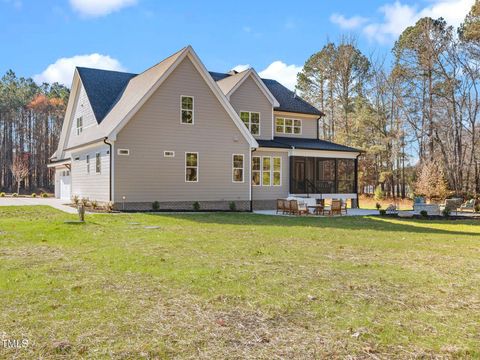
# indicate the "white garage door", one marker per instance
pixel 65 185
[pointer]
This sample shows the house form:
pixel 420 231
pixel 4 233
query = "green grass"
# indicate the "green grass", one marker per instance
pixel 218 286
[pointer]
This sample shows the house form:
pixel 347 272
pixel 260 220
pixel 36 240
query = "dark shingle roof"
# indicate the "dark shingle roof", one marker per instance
pixel 103 88
pixel 305 144
pixel 289 101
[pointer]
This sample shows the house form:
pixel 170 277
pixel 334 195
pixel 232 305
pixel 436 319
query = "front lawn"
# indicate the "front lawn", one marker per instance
pixel 217 286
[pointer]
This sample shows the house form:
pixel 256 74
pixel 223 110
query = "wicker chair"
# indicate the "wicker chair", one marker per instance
pixel 335 208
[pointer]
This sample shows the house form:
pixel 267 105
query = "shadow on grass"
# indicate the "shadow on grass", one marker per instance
pixel 353 223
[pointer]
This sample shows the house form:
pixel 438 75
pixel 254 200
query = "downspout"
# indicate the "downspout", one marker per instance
pixel 251 177
pixel 110 173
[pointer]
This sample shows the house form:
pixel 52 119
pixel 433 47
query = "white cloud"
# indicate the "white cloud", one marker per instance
pixel 61 71
pixel 94 8
pixel 277 70
pixel 242 67
pixel 283 73
pixel 348 23
pixel 397 16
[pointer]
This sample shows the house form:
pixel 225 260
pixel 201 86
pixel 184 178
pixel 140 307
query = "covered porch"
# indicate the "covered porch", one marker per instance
pixel 324 177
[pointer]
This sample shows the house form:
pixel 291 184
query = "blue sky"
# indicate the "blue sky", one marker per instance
pixel 46 39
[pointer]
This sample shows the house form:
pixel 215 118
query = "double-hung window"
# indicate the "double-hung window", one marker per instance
pixel 187 109
pixel 98 163
pixel 237 168
pixel 191 167
pixel 266 171
pixel 87 159
pixel 79 125
pixel 288 126
pixel 256 170
pixel 251 121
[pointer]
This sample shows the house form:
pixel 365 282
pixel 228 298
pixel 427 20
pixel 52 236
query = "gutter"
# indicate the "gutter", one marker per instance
pixel 110 173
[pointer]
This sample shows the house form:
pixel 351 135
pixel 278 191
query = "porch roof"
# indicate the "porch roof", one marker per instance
pixel 306 144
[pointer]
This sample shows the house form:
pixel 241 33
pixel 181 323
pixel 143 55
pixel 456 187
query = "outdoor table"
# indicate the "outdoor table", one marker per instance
pixel 318 209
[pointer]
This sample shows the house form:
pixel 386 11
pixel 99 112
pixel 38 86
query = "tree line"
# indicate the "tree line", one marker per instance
pixel 421 109
pixel 31 118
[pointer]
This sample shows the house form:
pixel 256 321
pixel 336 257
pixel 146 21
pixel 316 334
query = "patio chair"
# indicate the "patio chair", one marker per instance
pixel 335 208
pixel 452 204
pixel 468 206
pixel 280 206
pixel 344 206
pixel 297 209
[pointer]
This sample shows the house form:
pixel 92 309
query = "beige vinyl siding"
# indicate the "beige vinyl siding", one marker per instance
pixel 309 126
pixel 146 175
pixel 82 109
pixel 93 186
pixel 248 97
pixel 273 192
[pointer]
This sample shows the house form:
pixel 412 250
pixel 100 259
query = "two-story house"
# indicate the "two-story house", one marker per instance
pixel 178 134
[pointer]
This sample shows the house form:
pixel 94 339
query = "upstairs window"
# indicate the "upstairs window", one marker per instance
pixel 251 121
pixel 79 125
pixel 191 167
pixel 187 109
pixel 288 126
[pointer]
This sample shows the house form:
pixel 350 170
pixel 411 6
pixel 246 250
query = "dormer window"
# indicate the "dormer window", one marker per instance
pixel 251 121
pixel 79 125
pixel 187 109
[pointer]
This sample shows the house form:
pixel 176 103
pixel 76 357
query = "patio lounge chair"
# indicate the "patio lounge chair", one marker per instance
pixel 468 206
pixel 297 209
pixel 452 204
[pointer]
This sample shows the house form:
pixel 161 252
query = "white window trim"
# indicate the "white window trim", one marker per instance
pixel 193 109
pixel 234 168
pixel 273 170
pixel 293 127
pixel 249 127
pixel 100 161
pixel 119 152
pixel 169 151
pixel 260 171
pixel 185 166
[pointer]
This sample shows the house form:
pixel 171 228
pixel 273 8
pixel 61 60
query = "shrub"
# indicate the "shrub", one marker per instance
pixel 2 194
pixel 34 195
pixel 383 212
pixel 232 206
pixel 196 206
pixel 85 201
pixel 75 199
pixel 44 195
pixel 446 212
pixel 94 204
pixel 379 194
pixel 424 213
pixel 477 208
pixel 155 206
pixel 109 206
pixel 15 195
pixel 378 206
